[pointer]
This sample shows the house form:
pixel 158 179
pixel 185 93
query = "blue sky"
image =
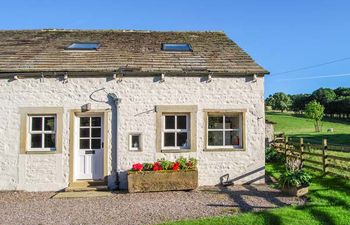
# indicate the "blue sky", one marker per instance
pixel 279 35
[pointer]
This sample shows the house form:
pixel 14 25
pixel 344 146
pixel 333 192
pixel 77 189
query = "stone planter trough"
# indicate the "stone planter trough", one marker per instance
pixel 149 181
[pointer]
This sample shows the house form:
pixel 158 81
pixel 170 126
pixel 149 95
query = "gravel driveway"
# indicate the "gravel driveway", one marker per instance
pixel 140 208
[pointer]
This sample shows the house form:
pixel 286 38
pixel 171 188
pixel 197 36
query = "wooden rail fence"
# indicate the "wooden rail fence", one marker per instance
pixel 325 158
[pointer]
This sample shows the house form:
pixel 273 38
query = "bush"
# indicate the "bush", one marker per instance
pixel 271 155
pixel 297 178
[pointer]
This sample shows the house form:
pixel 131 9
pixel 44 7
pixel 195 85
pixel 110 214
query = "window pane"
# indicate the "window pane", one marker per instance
pixel 169 139
pixel 182 139
pixel 95 132
pixel 84 132
pixel 169 122
pixel 95 143
pixel 215 138
pixel 84 143
pixel 36 141
pixel 49 123
pixel 135 141
pixel 232 122
pixel 183 47
pixel 84 121
pixel 96 121
pixel 232 138
pixel 50 140
pixel 181 122
pixel 84 46
pixel 215 122
pixel 37 123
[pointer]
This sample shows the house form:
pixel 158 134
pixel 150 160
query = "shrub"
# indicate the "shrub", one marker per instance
pixel 297 178
pixel 271 155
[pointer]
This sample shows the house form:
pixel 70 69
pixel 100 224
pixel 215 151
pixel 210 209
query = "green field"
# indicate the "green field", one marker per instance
pixel 299 126
pixel 328 203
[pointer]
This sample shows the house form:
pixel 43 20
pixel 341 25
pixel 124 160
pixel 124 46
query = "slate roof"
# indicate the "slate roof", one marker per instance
pixel 44 51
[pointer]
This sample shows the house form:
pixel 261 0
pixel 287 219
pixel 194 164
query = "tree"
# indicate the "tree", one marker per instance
pixel 323 96
pixel 279 101
pixel 314 110
pixel 299 101
pixel 342 92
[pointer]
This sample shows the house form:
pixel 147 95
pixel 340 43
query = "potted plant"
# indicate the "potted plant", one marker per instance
pixel 295 182
pixel 163 175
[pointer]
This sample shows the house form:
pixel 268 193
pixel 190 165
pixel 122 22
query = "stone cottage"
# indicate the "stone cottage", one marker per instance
pixel 81 106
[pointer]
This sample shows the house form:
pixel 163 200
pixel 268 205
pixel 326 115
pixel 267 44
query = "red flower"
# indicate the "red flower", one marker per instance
pixel 137 167
pixel 176 166
pixel 157 166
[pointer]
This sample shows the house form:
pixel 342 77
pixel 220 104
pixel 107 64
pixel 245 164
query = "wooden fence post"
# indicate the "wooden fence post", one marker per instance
pixel 285 147
pixel 301 152
pixel 324 156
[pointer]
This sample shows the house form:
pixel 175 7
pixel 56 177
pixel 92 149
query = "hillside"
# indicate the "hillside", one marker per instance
pixel 299 126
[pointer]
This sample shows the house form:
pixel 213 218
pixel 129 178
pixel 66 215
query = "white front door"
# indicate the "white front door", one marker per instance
pixel 89 155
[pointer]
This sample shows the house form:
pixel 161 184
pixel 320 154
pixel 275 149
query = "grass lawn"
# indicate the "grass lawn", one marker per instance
pixel 329 203
pixel 299 126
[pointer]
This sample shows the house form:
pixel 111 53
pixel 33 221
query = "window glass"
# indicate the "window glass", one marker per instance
pixel 49 140
pixel 84 121
pixel 135 141
pixel 181 122
pixel 169 122
pixel 95 143
pixel 36 141
pixel 224 130
pixel 215 138
pixel 169 139
pixel 84 132
pixel 49 123
pixel 182 139
pixel 232 122
pixel 182 47
pixel 96 121
pixel 37 123
pixel 84 46
pixel 95 132
pixel 84 144
pixel 215 122
pixel 175 131
pixel 42 133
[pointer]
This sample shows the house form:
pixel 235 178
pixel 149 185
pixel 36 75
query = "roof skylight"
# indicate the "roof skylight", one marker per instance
pixel 177 47
pixel 84 46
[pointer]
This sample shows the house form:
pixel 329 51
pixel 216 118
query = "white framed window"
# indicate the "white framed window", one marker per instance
pixel 42 133
pixel 176 131
pixel 224 130
pixel 135 142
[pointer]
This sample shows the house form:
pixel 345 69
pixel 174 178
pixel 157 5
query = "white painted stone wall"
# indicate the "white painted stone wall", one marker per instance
pixel 139 97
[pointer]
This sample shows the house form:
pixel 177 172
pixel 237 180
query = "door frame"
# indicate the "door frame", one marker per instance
pixel 74 114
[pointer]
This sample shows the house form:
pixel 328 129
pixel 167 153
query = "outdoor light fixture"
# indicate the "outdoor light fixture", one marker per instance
pixel 255 77
pixel 162 77
pixel 86 107
pixel 209 78
pixel 65 78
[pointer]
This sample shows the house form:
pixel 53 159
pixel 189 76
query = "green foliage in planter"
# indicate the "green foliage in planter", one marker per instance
pixel 147 166
pixel 297 178
pixel 185 164
pixel 166 164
